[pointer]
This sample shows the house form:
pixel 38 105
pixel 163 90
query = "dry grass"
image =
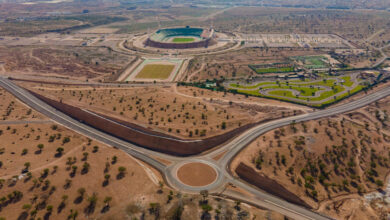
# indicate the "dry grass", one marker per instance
pixel 155 71
pixel 12 109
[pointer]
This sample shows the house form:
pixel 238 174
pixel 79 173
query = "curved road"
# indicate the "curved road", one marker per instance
pixel 259 198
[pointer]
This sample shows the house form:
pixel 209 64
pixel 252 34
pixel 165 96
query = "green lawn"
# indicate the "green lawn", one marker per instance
pixel 183 40
pixel 274 70
pixel 282 93
pixel 347 80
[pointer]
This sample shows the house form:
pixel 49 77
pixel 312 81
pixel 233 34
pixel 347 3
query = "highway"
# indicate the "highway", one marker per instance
pixel 259 198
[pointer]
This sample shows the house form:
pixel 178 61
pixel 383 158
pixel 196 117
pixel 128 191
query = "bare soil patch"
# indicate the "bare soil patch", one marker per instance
pixel 80 63
pixel 196 174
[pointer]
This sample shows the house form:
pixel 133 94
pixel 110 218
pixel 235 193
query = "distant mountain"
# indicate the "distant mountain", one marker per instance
pixel 331 4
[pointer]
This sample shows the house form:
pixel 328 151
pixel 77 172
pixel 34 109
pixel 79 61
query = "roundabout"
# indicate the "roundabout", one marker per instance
pixel 195 175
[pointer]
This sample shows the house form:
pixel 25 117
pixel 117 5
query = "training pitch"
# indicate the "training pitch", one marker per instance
pixel 155 71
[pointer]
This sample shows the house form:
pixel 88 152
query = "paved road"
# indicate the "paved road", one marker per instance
pixel 232 148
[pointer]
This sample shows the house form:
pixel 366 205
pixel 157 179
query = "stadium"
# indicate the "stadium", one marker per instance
pixel 181 38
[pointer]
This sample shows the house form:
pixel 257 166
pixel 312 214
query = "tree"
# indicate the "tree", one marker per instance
pixel 92 203
pixel 65 140
pixel 161 186
pixel 24 151
pixel 206 208
pixel 155 209
pixel 81 191
pixel 85 154
pixel 40 147
pixel 95 149
pixel 74 169
pixel 59 150
pixel 107 200
pixel 223 125
pixel 107 167
pixel 204 194
pixel 106 179
pixel 49 208
pixel 55 168
pixel 27 165
pixel 63 203
pixel 85 168
pixel 379 183
pixel 122 171
pixel 26 207
pixel 68 183
pixel 114 159
pixel 73 214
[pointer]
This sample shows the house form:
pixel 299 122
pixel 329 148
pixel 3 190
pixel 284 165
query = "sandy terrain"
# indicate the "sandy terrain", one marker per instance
pixel 53 190
pixel 322 160
pixel 12 109
pixel 161 109
pixel 196 174
pixel 79 63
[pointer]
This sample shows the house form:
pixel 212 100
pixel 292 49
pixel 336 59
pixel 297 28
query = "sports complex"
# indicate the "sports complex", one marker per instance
pixel 181 38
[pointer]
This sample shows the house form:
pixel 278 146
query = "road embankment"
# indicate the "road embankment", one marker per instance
pixel 141 136
pixel 268 185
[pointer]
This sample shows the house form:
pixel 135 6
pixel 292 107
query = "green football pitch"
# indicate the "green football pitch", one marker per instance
pixel 183 40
